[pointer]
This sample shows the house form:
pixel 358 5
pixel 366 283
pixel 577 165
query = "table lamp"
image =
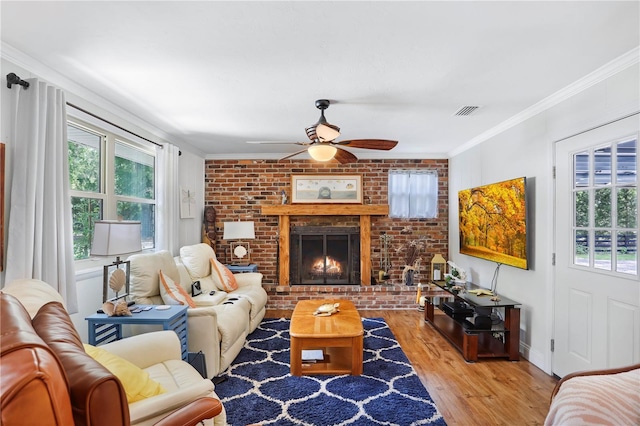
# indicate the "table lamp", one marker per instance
pixel 115 238
pixel 236 232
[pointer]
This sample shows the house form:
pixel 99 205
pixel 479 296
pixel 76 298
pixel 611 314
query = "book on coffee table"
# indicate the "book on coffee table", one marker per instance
pixel 312 355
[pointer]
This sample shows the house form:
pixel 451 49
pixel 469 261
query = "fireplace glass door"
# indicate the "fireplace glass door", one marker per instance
pixel 325 255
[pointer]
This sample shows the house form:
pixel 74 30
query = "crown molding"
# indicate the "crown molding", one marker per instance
pixel 611 68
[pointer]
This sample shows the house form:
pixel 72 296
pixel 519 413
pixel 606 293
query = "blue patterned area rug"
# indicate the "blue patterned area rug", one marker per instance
pixel 260 388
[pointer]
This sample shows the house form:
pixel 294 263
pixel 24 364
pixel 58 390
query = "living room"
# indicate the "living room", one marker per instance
pixel 238 179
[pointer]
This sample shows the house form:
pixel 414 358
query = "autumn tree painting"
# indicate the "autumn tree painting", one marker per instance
pixel 493 222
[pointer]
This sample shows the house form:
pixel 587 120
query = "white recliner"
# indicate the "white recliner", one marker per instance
pixel 219 323
pixel 197 262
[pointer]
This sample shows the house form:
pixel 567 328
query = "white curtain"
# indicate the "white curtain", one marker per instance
pixel 413 194
pixel 40 233
pixel 168 200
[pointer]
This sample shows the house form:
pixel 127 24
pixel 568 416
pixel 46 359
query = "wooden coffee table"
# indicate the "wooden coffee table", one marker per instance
pixel 339 336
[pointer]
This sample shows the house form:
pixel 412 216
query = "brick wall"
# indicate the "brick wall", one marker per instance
pixel 238 188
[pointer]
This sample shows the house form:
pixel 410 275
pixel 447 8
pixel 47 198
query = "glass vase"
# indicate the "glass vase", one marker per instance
pixel 408 277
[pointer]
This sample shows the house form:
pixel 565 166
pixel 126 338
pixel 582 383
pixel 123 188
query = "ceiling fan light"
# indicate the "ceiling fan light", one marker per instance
pixel 327 132
pixel 322 152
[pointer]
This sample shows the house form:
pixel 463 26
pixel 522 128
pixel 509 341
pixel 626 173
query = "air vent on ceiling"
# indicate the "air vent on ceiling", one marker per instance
pixel 466 110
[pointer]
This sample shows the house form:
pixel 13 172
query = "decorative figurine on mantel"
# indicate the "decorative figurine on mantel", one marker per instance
pixel 209 227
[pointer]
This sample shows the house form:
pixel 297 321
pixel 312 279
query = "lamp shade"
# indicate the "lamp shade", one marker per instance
pixel 322 152
pixel 112 237
pixel 238 231
pixel 327 132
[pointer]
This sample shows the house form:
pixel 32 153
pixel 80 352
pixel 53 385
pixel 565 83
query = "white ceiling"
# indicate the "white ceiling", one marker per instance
pixel 218 74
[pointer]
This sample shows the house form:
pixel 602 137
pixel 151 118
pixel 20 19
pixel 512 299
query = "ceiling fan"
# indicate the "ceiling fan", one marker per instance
pixel 322 145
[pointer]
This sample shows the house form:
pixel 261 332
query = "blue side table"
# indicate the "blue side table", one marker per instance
pixel 105 329
pixel 236 269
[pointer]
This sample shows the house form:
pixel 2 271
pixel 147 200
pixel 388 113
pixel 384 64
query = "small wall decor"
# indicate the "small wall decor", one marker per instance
pixel 187 203
pixel 328 189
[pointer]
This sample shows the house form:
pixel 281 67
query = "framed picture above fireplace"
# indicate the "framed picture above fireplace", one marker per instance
pixel 326 189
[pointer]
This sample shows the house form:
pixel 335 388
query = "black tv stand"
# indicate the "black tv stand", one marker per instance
pixel 476 339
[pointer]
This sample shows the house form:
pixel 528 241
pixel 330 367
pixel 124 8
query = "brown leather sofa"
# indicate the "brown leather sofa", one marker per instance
pixel 48 379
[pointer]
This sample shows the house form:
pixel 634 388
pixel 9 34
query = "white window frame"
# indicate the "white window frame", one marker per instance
pixel 107 175
pixel 413 193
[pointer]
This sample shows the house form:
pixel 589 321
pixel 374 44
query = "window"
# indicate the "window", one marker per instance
pixel 110 178
pixel 413 194
pixel 605 225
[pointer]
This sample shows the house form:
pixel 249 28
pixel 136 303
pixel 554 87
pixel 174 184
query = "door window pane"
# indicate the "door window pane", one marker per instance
pixel 581 206
pixel 581 169
pixel 602 244
pixel 626 162
pixel 627 207
pixel 602 207
pixel 581 255
pixel 627 256
pixel 602 166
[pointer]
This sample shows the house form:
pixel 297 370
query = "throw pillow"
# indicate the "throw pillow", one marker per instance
pixel 173 293
pixel 136 382
pixel 222 276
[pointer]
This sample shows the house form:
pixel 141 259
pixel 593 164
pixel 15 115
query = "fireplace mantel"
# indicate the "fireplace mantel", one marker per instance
pixel 365 211
pixel 325 210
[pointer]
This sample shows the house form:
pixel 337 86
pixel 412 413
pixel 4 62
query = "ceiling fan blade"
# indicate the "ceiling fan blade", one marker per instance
pixel 382 144
pixel 293 155
pixel 343 156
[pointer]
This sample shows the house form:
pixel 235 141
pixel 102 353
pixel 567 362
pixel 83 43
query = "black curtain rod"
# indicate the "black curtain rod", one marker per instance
pixel 113 124
pixel 14 79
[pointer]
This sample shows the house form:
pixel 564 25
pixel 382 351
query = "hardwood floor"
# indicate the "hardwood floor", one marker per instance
pixel 488 392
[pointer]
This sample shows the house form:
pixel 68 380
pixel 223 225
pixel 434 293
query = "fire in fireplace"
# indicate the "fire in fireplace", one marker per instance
pixel 325 255
pixel 328 266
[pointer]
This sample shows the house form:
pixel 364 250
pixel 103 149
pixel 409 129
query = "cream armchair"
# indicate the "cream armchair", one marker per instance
pixel 197 262
pixel 218 324
pixel 157 353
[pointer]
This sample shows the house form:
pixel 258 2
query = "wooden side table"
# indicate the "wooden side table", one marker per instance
pixel 105 329
pixel 236 269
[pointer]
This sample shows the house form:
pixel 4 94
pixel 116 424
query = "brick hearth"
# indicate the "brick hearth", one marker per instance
pixel 388 297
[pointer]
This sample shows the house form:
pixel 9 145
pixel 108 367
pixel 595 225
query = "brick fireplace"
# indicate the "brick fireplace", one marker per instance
pixel 243 188
pixel 284 212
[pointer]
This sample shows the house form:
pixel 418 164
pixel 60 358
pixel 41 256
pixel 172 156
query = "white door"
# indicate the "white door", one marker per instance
pixel 596 289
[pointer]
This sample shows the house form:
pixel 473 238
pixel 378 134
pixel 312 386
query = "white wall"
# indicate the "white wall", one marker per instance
pixel 527 150
pixel 191 174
